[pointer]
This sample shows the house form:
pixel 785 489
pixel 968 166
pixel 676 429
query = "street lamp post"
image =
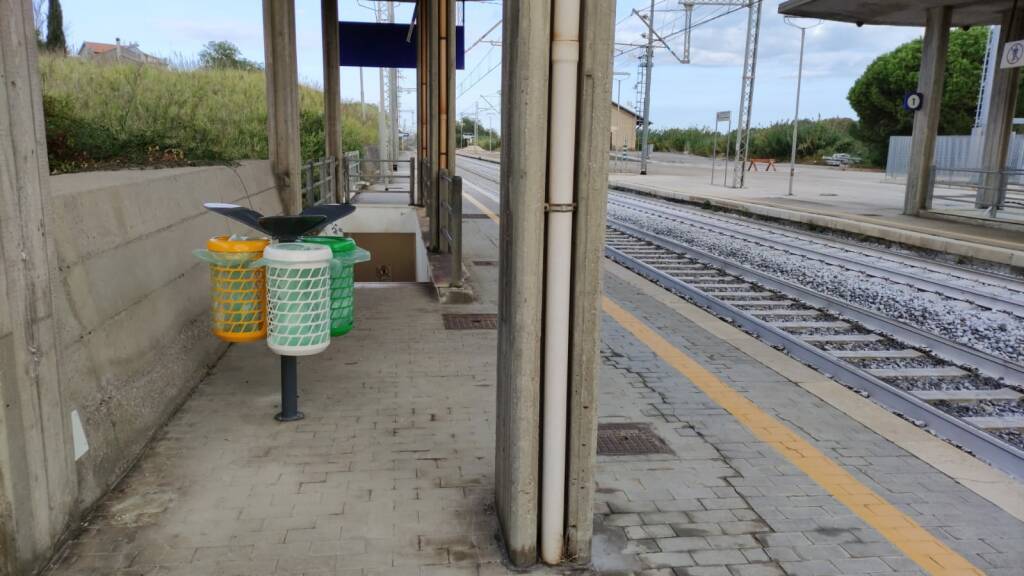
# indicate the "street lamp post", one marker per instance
pixel 803 25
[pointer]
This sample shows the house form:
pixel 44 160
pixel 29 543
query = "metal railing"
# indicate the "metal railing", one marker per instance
pixel 318 178
pixel 449 196
pixel 351 167
pixel 989 190
pixel 380 175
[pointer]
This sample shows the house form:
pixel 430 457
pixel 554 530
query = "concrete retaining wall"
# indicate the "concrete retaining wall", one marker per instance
pixel 132 302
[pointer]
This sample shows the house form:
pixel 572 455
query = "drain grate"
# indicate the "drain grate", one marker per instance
pixel 470 321
pixel 485 262
pixel 629 439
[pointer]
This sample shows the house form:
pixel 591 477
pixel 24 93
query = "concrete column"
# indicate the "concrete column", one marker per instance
pixel 446 108
pixel 525 118
pixel 526 29
pixel 999 122
pixel 593 124
pixel 332 88
pixel 283 101
pixel 926 120
pixel 433 147
pixel 38 484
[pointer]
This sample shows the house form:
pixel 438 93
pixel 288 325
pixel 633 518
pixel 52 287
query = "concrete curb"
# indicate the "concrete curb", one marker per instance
pixel 954 243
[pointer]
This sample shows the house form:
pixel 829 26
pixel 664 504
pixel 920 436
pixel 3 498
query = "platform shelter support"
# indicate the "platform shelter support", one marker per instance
pixel 332 93
pixel 926 120
pixel 999 123
pixel 38 481
pixel 282 75
pixel 437 51
pixel 526 102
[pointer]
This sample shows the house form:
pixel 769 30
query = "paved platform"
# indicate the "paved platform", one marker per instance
pixel 392 470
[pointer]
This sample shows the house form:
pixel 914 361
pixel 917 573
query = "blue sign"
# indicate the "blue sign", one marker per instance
pixel 913 101
pixel 383 45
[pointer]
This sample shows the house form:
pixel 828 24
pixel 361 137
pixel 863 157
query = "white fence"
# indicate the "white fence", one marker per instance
pixel 951 152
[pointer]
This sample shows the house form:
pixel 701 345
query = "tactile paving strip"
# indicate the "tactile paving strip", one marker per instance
pixel 470 321
pixel 629 439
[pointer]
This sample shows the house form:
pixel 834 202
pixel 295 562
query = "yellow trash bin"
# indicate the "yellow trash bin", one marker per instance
pixel 239 290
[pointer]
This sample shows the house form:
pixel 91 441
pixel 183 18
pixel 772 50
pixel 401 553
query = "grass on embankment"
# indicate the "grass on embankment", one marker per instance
pixel 103 116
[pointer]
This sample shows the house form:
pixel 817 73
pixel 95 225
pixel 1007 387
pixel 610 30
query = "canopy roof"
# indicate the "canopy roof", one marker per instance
pixel 897 12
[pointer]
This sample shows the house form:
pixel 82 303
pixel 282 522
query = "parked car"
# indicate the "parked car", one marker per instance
pixel 841 159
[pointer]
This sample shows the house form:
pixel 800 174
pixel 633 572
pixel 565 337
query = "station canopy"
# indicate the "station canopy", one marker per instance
pixel 898 12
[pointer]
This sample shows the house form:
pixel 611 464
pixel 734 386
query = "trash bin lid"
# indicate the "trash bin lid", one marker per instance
pixel 337 244
pixel 296 253
pixel 236 245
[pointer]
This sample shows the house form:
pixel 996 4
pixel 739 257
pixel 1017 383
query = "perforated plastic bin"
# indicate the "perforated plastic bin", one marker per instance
pixel 239 289
pixel 298 298
pixel 345 255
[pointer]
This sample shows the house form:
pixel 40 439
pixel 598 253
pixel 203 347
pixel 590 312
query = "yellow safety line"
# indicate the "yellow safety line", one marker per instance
pixel 927 551
pixel 490 214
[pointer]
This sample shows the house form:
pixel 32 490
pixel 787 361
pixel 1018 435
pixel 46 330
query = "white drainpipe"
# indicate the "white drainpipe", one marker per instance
pixel 565 50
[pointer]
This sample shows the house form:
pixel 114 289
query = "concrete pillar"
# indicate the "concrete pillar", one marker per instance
pixel 37 475
pixel 926 120
pixel 999 122
pixel 433 145
pixel 526 61
pixel 446 70
pixel 594 122
pixel 526 29
pixel 332 89
pixel 283 101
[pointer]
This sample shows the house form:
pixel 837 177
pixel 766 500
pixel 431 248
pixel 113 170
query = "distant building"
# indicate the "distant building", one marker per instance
pixel 118 53
pixel 624 122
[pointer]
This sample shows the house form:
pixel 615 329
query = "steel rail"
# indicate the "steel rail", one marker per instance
pixel 988 447
pixel 964 294
pixel 944 348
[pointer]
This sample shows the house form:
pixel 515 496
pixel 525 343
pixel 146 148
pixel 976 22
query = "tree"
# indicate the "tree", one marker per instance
pixel 877 96
pixel 55 40
pixel 224 54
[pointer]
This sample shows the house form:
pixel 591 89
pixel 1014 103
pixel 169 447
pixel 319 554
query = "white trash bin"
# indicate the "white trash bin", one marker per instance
pixel 298 298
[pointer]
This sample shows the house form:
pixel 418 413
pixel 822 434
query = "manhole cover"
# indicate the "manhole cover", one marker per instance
pixel 474 216
pixel 485 262
pixel 470 321
pixel 629 439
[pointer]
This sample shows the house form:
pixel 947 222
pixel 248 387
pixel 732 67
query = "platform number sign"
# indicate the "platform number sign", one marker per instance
pixel 913 101
pixel 1013 54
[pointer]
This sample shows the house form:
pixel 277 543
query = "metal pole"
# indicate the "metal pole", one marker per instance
pixel 362 95
pixel 647 91
pixel 289 391
pixel 796 114
pixel 728 145
pixel 714 150
pixel 794 22
pixel 476 125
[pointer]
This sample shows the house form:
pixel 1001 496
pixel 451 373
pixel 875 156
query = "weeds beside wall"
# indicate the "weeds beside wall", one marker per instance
pixel 103 116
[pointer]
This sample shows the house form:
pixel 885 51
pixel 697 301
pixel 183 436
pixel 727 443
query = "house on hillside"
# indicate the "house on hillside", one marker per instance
pixel 624 123
pixel 118 52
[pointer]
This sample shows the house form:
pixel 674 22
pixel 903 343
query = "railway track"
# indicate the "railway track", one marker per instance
pixel 982 288
pixel 891 362
pixel 959 393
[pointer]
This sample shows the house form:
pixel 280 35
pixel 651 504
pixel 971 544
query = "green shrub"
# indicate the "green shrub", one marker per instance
pixel 102 115
pixel 816 138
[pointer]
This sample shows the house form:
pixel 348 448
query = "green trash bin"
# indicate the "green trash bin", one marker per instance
pixel 345 256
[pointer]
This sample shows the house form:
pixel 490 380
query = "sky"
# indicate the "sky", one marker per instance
pixel 682 95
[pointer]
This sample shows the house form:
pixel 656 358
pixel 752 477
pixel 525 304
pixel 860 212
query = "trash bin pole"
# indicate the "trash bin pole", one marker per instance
pixel 289 391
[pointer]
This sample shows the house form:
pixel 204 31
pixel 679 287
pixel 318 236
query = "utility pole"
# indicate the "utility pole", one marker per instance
pixel 747 93
pixel 799 80
pixel 649 63
pixel 476 125
pixel 393 95
pixel 362 95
